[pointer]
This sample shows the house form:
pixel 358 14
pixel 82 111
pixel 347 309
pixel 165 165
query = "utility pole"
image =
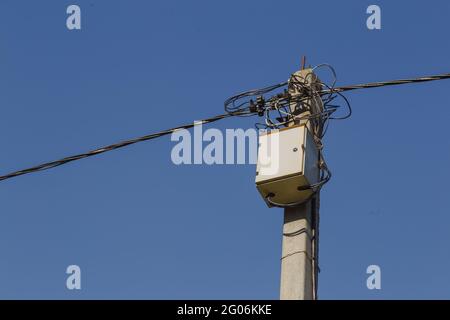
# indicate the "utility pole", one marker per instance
pixel 299 261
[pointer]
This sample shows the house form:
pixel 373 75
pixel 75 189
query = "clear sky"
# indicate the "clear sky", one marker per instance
pixel 141 227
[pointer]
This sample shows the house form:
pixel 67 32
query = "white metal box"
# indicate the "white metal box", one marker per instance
pixel 287 165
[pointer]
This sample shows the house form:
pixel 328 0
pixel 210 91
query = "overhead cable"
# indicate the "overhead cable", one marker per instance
pixel 246 108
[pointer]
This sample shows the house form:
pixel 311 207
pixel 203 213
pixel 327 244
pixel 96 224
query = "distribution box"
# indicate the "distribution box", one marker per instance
pixel 288 164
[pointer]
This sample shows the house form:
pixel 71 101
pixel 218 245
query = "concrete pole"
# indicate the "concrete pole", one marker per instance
pixel 299 248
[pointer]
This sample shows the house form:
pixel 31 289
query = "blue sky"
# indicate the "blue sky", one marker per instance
pixel 141 227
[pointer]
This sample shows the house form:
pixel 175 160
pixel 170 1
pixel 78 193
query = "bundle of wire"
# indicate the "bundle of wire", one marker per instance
pixel 303 98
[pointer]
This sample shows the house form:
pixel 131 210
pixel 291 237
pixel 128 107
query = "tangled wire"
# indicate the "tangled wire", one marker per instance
pixel 301 99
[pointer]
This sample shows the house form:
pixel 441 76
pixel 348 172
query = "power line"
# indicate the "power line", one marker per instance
pixel 391 83
pixel 231 112
pixel 56 163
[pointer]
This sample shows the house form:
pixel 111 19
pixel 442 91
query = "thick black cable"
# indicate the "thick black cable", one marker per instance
pixel 389 83
pixel 56 163
pixel 231 113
